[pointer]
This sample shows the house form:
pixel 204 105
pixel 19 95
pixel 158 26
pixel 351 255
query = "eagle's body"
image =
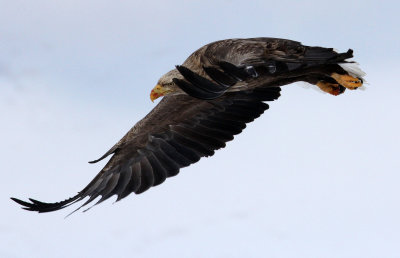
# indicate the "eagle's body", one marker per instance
pixel 209 99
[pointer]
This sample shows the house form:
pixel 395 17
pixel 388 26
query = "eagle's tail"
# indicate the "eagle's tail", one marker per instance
pixel 339 71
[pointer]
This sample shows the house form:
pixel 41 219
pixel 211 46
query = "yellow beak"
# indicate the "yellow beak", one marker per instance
pixel 156 92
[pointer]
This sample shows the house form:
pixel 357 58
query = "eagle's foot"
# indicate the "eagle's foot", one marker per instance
pixel 331 88
pixel 347 81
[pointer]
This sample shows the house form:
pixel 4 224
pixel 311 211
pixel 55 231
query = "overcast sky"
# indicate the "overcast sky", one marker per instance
pixel 315 176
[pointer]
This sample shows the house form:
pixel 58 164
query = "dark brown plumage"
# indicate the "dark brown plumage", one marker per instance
pixel 208 99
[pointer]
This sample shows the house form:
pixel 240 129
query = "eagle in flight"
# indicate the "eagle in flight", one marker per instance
pixel 206 101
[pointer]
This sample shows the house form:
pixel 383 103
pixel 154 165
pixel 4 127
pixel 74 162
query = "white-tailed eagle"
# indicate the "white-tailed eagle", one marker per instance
pixel 206 101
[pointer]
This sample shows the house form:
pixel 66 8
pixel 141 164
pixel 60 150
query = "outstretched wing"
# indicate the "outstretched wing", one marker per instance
pixel 240 64
pixel 176 133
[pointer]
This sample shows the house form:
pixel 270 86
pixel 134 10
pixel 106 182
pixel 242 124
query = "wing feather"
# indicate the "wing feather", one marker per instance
pixel 147 176
pixel 160 172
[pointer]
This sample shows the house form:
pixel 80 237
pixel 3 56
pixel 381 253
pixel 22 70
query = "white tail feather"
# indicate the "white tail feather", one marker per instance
pixel 353 69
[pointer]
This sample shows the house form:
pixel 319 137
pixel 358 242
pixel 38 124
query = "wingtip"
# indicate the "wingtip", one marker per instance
pixel 20 202
pixel 41 207
pixel 101 158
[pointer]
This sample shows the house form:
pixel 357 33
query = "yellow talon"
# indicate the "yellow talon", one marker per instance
pixel 347 81
pixel 331 88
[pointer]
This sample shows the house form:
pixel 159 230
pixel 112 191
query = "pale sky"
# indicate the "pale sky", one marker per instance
pixel 315 176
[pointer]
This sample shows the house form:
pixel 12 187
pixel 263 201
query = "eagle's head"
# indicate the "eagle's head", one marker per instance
pixel 166 86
